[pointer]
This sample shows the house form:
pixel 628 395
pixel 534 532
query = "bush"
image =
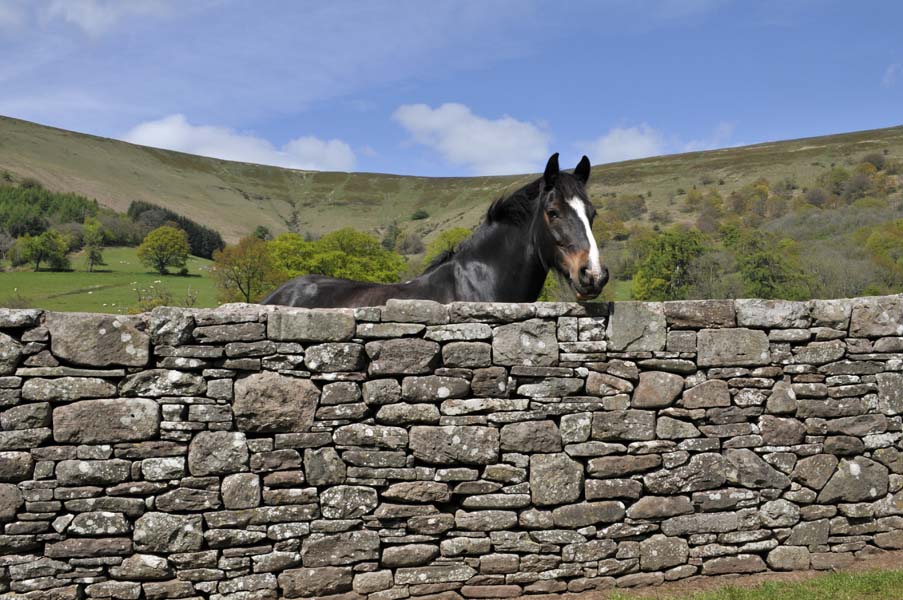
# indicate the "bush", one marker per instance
pixel 876 159
pixel 419 215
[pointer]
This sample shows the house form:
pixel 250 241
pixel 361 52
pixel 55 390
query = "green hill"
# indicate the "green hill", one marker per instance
pixel 234 197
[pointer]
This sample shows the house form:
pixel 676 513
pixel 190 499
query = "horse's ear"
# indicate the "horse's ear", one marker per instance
pixel 550 176
pixel 582 170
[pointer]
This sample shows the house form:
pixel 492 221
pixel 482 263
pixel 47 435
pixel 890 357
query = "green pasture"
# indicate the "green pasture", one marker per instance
pixel 871 585
pixel 110 289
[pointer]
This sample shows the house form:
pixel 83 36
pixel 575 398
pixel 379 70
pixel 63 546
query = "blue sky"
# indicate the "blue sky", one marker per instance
pixel 444 88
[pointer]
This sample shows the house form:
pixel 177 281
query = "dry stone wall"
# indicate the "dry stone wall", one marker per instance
pixel 429 451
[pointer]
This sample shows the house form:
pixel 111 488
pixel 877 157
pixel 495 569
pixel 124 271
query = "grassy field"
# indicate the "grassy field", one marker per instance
pixel 112 289
pixel 235 197
pixel 871 585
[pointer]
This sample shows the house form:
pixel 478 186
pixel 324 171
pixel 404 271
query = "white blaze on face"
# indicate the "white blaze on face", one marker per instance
pixel 595 265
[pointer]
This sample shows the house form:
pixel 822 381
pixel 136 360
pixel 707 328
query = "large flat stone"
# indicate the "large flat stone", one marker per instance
pixel 97 340
pixel 732 348
pixel 311 325
pixel 106 421
pixel 555 479
pixel 637 327
pixel 269 402
pixel 531 342
pixel 451 444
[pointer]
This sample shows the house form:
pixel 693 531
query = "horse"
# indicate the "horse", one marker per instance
pixel 547 224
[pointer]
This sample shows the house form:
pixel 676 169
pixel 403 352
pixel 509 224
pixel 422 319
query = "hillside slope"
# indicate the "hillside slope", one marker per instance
pixel 235 197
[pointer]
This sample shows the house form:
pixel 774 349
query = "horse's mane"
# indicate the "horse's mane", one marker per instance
pixel 516 208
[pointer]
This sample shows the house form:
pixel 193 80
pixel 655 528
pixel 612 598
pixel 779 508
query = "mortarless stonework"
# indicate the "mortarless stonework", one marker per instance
pixel 421 450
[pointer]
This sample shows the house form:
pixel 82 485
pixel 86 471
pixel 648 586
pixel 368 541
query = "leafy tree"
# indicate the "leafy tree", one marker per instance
pixel 164 247
pixel 345 253
pixel 393 231
pixel 245 271
pixel 51 247
pixel 663 274
pixel 834 180
pixel 262 232
pixel 202 240
pixel 885 247
pixel 768 266
pixel 447 241
pixel 93 239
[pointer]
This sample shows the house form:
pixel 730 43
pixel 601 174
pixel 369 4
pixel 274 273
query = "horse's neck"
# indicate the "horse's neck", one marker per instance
pixel 501 264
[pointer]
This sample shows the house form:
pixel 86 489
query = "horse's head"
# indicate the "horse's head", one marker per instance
pixel 567 217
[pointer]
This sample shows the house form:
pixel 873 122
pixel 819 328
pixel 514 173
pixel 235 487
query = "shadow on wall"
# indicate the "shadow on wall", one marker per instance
pixel 485 450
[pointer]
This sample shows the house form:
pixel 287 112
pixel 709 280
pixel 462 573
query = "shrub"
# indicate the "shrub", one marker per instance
pixel 164 247
pixel 419 215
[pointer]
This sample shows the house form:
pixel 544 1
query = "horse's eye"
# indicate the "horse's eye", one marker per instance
pixel 553 214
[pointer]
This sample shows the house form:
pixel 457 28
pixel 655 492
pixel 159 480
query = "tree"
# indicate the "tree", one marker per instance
pixel 769 266
pixel 93 238
pixel 51 246
pixel 263 233
pixel 245 271
pixel 663 273
pixel 885 247
pixel 345 253
pixel 447 241
pixel 164 247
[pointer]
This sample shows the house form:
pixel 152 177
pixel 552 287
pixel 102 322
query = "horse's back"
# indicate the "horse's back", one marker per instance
pixel 320 291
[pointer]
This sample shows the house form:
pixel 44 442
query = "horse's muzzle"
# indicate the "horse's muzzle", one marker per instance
pixel 589 285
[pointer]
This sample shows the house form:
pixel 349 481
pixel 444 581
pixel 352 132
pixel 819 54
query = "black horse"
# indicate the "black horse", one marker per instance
pixel 545 224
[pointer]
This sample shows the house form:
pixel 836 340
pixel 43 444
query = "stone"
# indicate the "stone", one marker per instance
pixel 434 574
pixel 604 489
pixel 10 353
pixel 624 425
pixel 98 523
pixel 335 357
pixel 16 466
pixel 166 533
pixel 106 421
pixel 814 471
pixel 407 414
pixel 241 490
pixel 772 314
pixel 418 491
pixel 551 387
pixel 657 389
pixel 532 342
pixel 856 480
pixel 789 558
pixel 621 466
pixel 415 311
pixel 163 382
pixel 373 581
pixel 662 552
pixel 315 582
pixel 269 403
pixel 605 384
pixel 143 567
pixel 402 357
pixel 584 514
pixel 340 392
pixel 217 453
pixel 708 394
pixel 576 428
pixel 433 387
pixel 732 348
pixel 97 340
pixel 746 468
pixel 485 520
pixel 322 466
pixel 809 533
pixel 379 436
pixel 890 393
pixel 66 389
pixel 667 428
pixel 454 444
pixel 780 431
pixel 409 555
pixel 378 392
pixel 17 318
pixel 705 471
pixel 318 550
pixel 779 513
pixel 490 382
pixel 92 472
pixel 530 436
pixel 637 327
pixel 11 501
pixel 741 563
pixel 555 479
pixel 698 314
pixel 659 507
pixel 26 416
pixel 782 399
pixel 311 325
pixel 23 439
pixel 467 355
pixel 819 353
pixel 347 501
pixel 877 317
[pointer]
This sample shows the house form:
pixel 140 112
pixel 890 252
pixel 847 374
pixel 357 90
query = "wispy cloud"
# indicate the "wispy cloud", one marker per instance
pixel 95 17
pixel 891 74
pixel 483 146
pixel 625 143
pixel 176 133
pixel 719 138
pixel 12 14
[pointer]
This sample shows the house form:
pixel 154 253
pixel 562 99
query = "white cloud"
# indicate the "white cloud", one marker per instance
pixel 719 139
pixel 485 147
pixel 625 143
pixel 891 74
pixel 97 16
pixel 176 133
pixel 12 14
